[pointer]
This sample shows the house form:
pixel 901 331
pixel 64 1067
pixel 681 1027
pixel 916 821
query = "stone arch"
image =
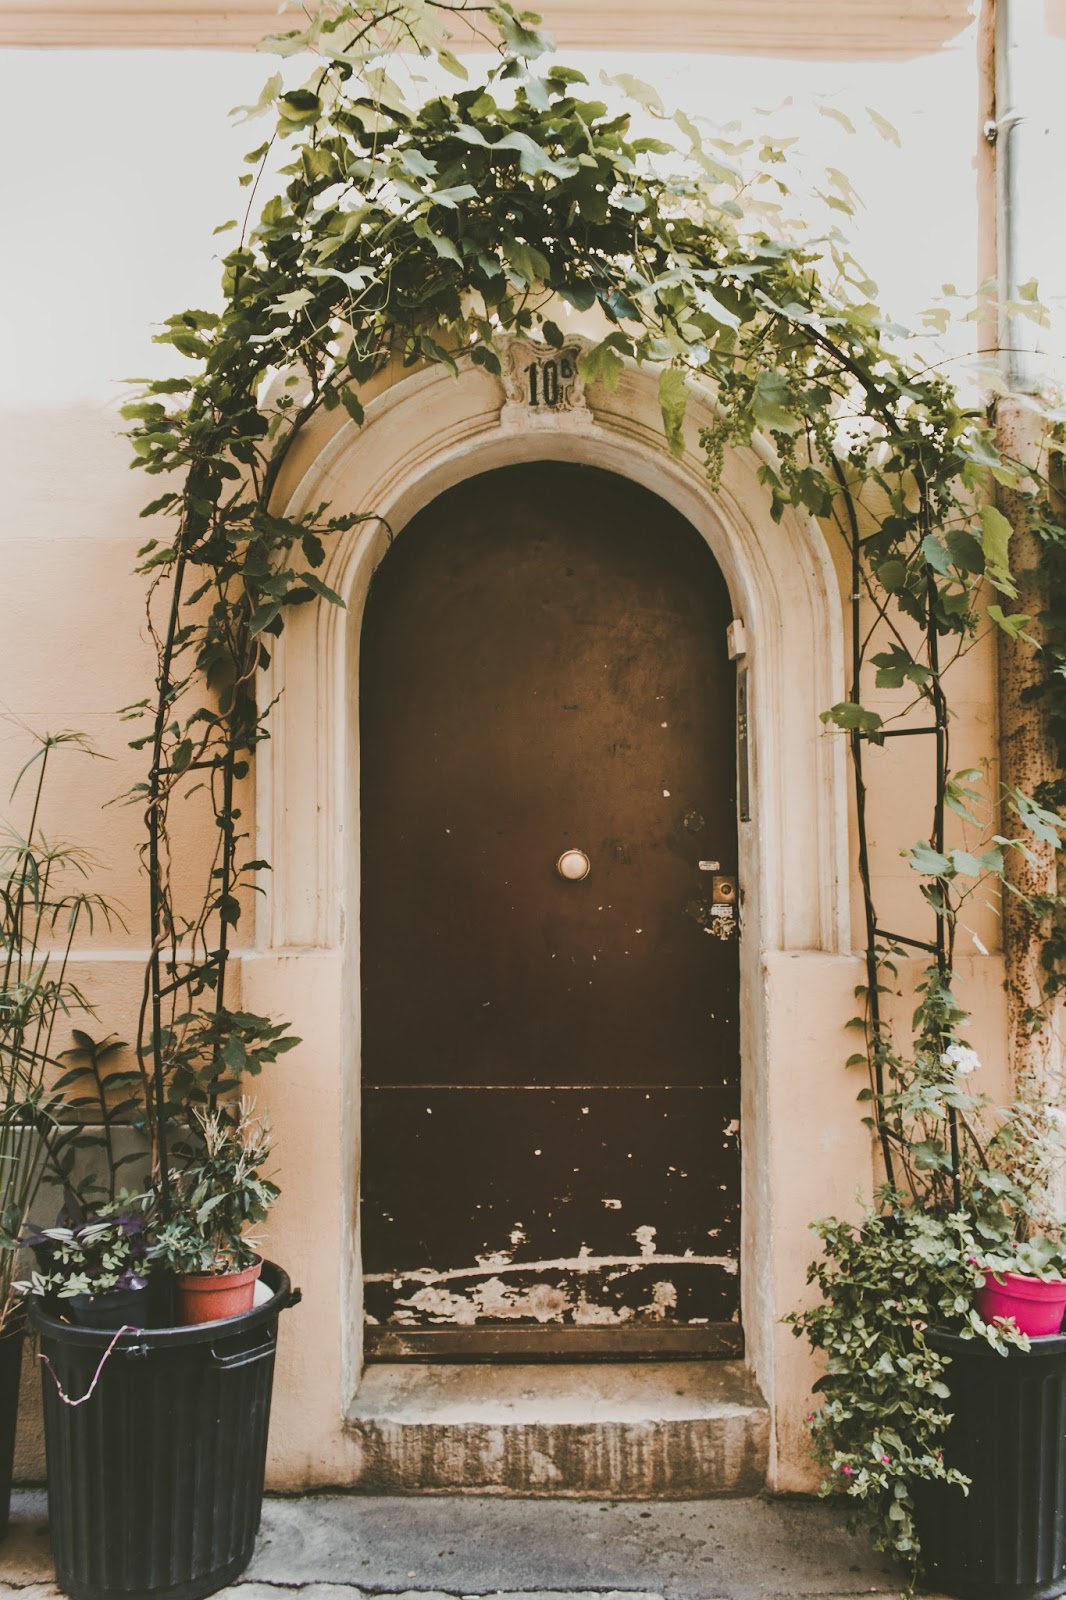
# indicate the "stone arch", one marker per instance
pixel 421 436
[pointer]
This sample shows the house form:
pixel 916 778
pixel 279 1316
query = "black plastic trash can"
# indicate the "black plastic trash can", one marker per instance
pixel 10 1370
pixel 1006 1539
pixel 155 1482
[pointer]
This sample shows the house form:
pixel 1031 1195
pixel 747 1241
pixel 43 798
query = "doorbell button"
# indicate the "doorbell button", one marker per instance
pixel 573 865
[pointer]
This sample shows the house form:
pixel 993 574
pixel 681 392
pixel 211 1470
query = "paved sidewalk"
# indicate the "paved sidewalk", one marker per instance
pixel 344 1547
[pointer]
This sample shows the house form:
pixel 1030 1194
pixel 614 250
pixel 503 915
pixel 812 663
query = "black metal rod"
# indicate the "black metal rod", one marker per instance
pixel 193 766
pixel 190 975
pixel 873 998
pixel 902 733
pixel 221 955
pixel 899 938
pixel 941 714
pixel 155 889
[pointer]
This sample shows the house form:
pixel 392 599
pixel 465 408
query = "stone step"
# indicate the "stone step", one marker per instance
pixel 627 1431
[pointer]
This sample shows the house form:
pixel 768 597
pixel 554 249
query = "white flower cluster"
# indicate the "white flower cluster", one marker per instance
pixel 960 1059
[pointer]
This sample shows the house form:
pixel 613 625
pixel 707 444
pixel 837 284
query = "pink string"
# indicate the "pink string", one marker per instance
pixel 67 1401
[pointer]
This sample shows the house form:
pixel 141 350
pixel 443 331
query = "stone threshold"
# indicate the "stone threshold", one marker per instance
pixel 610 1430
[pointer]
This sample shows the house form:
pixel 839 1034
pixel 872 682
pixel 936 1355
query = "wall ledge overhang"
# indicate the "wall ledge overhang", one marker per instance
pixel 821 30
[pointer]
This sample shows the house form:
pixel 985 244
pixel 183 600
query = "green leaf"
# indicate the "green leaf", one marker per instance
pixel 582 296
pixel 883 126
pixel 451 197
pixel 182 756
pixel 966 552
pixel 673 401
pixel 452 65
pixel 969 865
pixel 712 307
pixel 1012 624
pixel 897 667
pixel 850 716
pixel 771 405
pixel 295 300
pixel 351 403
pixel 441 244
pixel 519 34
pixel 995 543
pixel 838 116
pixel 321 589
pixel 602 364
pixel 313 548
pixel 271 89
pixel 528 262
pixel 264 617
pixel 637 90
pixel 928 861
pixel 937 555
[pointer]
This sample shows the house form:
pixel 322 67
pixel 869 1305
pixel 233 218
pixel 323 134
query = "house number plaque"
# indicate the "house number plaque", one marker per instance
pixel 543 383
pixel 550 378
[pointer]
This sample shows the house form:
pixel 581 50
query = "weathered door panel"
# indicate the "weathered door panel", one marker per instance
pixel 544 668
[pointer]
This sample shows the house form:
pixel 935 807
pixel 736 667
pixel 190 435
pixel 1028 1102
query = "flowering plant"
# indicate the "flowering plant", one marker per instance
pixel 884 1281
pixel 92 1253
pixel 218 1194
pixel 977 1195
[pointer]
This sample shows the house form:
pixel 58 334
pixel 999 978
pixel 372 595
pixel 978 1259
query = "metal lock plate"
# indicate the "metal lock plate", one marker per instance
pixel 723 891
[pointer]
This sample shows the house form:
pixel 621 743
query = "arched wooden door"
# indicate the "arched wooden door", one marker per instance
pixel 551 1160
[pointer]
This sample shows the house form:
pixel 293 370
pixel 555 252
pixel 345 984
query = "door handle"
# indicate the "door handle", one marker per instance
pixel 573 865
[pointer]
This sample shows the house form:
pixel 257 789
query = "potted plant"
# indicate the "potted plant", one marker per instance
pixel 218 1194
pixel 143 1424
pixel 43 907
pixel 942 1417
pixel 93 1266
pixel 1024 1285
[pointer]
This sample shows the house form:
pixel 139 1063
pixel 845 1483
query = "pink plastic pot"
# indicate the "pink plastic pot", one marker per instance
pixel 1036 1306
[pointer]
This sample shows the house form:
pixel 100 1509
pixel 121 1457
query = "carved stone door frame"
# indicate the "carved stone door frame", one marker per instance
pixel 424 433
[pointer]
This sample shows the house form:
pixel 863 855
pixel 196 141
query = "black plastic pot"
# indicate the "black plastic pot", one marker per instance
pixel 155 1481
pixel 1006 1539
pixel 117 1308
pixel 10 1370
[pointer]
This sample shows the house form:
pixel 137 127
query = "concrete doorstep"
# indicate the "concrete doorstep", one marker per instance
pixel 346 1547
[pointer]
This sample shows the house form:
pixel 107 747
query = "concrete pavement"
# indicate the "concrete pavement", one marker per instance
pixel 346 1547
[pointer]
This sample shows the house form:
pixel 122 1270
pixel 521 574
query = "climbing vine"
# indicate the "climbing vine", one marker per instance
pixel 427 231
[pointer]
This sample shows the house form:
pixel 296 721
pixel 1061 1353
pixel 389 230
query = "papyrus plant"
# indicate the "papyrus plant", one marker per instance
pixel 44 901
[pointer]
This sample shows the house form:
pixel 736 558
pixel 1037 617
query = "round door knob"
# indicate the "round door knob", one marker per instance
pixel 573 865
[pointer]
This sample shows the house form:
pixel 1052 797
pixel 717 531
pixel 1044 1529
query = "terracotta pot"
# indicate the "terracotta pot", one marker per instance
pixel 1036 1306
pixel 214 1296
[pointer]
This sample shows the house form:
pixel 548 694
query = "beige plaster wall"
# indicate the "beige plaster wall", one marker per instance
pixel 134 162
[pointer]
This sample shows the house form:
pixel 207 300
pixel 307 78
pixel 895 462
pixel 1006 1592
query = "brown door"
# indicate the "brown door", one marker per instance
pixel 551 1088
